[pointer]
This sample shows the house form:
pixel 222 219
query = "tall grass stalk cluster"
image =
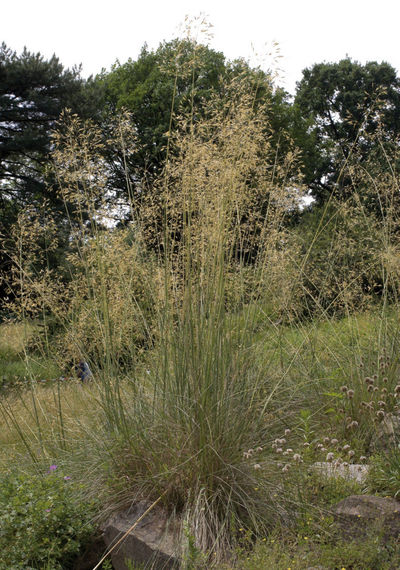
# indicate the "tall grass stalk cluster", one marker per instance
pixel 181 315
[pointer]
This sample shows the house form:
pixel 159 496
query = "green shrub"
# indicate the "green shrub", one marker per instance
pixel 342 266
pixel 42 522
pixel 112 296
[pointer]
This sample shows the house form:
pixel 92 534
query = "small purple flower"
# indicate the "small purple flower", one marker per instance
pixel 67 477
pixel 53 467
pixel 47 510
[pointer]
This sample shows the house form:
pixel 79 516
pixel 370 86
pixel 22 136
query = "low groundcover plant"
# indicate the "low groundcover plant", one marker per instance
pixel 44 522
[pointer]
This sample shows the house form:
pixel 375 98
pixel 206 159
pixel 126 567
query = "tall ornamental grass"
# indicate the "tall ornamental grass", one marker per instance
pixel 221 210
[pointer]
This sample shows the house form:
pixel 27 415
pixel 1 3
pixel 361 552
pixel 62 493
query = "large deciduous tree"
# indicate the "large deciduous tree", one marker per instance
pixel 178 78
pixel 154 89
pixel 347 103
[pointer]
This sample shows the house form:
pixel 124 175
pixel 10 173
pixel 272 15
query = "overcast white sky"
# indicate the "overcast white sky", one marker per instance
pixel 96 33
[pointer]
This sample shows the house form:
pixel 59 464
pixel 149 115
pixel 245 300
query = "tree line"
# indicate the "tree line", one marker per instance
pixel 336 107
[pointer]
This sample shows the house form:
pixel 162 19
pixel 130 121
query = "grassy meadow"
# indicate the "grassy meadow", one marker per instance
pixel 230 349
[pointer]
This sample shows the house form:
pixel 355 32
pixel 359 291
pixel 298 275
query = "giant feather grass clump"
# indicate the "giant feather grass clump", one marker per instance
pixel 219 213
pixel 205 251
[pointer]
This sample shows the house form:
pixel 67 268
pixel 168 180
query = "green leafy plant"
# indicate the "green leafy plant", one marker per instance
pixel 44 520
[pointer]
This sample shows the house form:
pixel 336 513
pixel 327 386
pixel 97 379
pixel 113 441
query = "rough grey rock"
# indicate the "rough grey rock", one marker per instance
pixel 356 471
pixel 359 515
pixel 387 433
pixel 152 543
